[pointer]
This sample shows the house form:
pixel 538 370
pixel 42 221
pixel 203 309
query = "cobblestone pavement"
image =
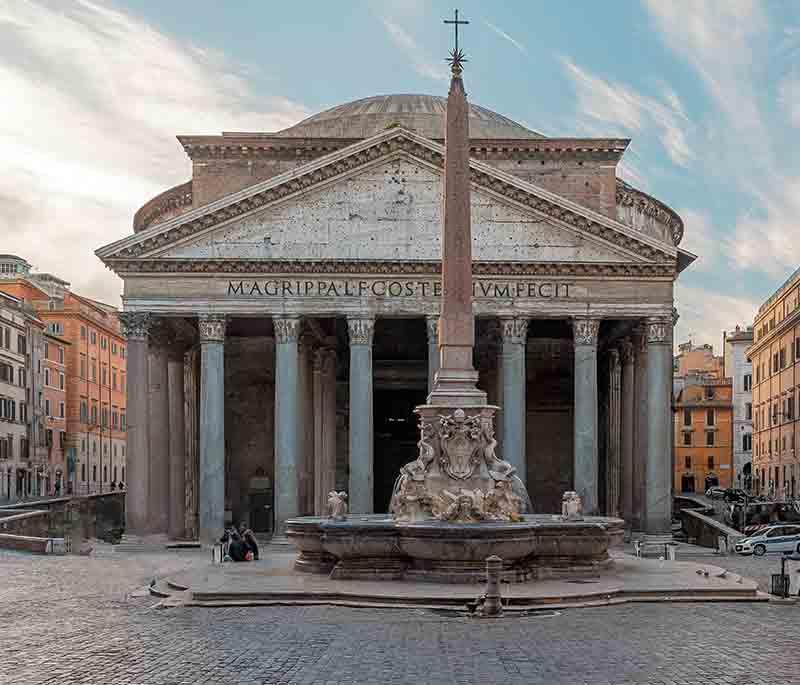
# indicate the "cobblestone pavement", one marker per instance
pixel 757 568
pixel 83 620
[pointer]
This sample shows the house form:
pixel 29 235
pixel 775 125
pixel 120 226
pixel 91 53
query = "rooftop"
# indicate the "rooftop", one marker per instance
pixel 421 113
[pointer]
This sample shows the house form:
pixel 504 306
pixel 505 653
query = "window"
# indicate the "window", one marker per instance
pixel 60 355
pixel 122 382
pixel 61 381
pixel 113 348
pixel 22 377
pixel 83 366
pixel 748 411
pixel 758 374
pixel 122 352
pixel 46 376
pixel 105 474
pixel 6 373
pixel 123 468
pixel 748 382
pixel 687 462
pixel 797 348
pixel 83 332
pixel 83 446
pixel 709 417
pixel 115 473
pixel 48 437
pixel 709 392
pixel 61 410
pixel 93 337
pixel 747 442
pixel 47 350
pixel 62 440
pixel 113 379
pixel 790 408
pixel 83 472
pixel 22 344
pixel 47 407
pixel 783 444
pixel 709 438
pixel 711 462
pixel 84 412
pixel 687 439
pixel 687 417
pixel 94 370
pixel 122 421
pixel 104 375
pixel 775 362
pixel 782 357
pixel 94 414
pixel 94 473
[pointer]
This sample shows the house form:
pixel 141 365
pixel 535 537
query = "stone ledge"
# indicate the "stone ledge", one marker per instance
pixel 32 544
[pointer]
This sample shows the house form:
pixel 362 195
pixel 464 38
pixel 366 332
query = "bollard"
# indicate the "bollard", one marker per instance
pixel 493 605
pixel 670 552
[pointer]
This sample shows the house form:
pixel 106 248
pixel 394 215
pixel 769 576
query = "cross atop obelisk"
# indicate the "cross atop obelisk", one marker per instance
pixel 456 378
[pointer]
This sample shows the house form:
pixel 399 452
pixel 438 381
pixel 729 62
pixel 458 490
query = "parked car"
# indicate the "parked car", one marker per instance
pixel 777 538
pixel 715 492
pixel 735 495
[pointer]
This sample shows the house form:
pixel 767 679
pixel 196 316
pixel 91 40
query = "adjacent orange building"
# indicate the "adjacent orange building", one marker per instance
pixel 703 434
pixel 775 355
pixel 85 369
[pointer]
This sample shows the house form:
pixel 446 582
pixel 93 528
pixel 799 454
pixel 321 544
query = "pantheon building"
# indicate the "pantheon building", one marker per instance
pixel 281 310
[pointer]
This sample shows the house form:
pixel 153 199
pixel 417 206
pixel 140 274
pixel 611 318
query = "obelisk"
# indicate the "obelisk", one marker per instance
pixel 455 382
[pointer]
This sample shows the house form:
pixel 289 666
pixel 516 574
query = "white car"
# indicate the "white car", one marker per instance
pixel 777 538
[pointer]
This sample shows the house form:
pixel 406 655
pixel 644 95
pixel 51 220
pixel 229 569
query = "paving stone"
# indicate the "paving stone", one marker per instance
pixel 71 620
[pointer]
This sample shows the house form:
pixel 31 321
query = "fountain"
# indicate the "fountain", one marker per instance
pixel 457 503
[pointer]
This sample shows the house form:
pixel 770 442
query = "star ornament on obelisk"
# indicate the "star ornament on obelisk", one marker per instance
pixel 455 382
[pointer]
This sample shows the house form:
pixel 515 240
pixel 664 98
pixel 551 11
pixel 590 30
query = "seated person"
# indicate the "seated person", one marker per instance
pixel 250 540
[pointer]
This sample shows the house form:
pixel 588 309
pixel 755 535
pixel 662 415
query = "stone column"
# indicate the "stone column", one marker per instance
pixel 211 498
pixel 585 418
pixel 135 327
pixel 628 413
pixel 640 428
pixel 177 445
pixel 325 428
pixel 432 324
pixel 305 422
pixel 191 443
pixel 613 460
pixel 514 333
pixel 658 490
pixel 361 494
pixel 287 457
pixel 158 406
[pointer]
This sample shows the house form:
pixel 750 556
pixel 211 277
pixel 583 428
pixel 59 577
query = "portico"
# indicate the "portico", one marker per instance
pixel 300 313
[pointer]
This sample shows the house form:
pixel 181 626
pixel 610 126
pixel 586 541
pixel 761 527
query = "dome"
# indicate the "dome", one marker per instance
pixel 423 114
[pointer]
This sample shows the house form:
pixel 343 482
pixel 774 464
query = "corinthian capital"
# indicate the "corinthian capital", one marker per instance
pixel 585 330
pixel 287 329
pixel 361 330
pixel 514 330
pixel 658 329
pixel 135 325
pixel 626 351
pixel 211 327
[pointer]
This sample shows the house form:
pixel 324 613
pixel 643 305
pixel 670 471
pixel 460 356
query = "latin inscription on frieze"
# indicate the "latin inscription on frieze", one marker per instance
pixel 399 288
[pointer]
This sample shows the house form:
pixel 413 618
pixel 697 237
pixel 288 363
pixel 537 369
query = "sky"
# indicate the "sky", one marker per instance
pixel 95 91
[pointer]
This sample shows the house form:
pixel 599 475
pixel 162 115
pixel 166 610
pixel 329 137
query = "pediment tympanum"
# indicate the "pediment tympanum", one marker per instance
pixel 380 200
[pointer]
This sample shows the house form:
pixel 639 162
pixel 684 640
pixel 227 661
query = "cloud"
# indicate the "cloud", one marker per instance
pixel 627 112
pixel 519 46
pixel 701 238
pixel 704 315
pixel 789 97
pixel 421 63
pixel 96 99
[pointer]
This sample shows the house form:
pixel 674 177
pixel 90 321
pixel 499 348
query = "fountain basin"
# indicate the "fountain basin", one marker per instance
pixel 376 547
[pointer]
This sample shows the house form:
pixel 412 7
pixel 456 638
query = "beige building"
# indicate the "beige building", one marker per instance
pixel 775 356
pixel 281 311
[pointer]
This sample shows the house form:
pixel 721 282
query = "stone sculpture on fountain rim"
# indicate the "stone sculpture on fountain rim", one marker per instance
pixel 457 476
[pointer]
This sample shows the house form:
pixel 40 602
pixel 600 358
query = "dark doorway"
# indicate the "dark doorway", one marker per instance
pixel 687 484
pixel 711 481
pixel 396 438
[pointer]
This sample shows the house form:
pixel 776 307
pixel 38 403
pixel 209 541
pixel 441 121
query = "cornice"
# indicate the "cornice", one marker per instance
pixel 358 156
pixel 660 270
pixel 628 196
pixel 791 320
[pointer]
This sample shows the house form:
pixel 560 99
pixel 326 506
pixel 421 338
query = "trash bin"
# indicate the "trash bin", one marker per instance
pixel 780 585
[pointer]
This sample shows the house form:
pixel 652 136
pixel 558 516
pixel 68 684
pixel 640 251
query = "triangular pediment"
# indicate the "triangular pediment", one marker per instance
pixel 380 200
